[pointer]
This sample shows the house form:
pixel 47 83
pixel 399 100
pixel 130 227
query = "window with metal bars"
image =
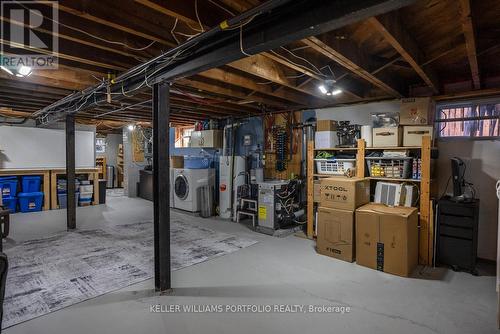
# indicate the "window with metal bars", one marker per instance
pixel 480 120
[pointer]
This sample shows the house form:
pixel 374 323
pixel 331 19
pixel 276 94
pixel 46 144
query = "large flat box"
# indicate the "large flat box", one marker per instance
pixel 326 125
pixel 387 137
pixel 387 238
pixel 177 161
pixel 344 193
pixel 412 135
pixel 335 236
pixel 325 139
pixel 417 111
pixel 206 139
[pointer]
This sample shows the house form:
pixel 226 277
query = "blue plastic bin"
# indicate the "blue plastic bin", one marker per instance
pixel 30 202
pixel 10 203
pixel 197 162
pixel 31 184
pixel 9 186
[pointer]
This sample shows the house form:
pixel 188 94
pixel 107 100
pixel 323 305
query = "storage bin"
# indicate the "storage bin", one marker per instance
pixel 63 200
pixel 85 198
pixel 30 202
pixel 9 186
pixel 387 137
pixel 86 188
pixel 62 186
pixel 334 166
pixel 397 168
pixel 10 203
pixel 196 162
pixel 31 183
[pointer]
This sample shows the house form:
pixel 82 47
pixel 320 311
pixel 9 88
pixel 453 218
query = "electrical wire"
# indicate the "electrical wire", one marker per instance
pixel 198 15
pixel 87 33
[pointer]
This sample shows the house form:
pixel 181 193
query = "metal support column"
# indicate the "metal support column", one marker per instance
pixel 70 172
pixel 161 185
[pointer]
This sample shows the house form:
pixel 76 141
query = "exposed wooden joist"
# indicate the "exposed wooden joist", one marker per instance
pixel 390 27
pixel 470 41
pixel 353 65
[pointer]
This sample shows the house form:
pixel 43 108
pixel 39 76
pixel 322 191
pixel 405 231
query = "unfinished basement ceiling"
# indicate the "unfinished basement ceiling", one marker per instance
pixel 420 48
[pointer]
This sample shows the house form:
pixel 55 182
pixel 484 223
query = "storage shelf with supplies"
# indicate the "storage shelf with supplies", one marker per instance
pixel 426 222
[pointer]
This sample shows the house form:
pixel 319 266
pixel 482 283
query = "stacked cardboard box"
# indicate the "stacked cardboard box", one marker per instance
pixel 387 238
pixel 339 197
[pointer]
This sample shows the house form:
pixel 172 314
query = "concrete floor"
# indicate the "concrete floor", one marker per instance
pixel 274 271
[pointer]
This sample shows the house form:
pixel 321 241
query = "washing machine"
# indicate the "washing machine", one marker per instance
pixel 187 184
pixel 171 185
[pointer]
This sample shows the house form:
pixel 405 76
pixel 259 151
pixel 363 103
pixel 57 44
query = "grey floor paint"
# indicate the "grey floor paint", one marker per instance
pixel 275 271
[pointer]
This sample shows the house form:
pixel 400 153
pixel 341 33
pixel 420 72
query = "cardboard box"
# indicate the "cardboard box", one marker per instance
pixel 416 111
pixel 344 193
pixel 317 191
pixel 387 238
pixel 335 235
pixel 326 125
pixel 412 135
pixel 325 139
pixel 387 137
pixel 176 161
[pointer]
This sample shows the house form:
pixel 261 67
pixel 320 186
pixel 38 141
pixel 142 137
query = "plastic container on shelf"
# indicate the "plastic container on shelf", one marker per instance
pixel 8 185
pixel 30 202
pixel 86 188
pixel 334 166
pixel 62 186
pixel 31 184
pixel 396 168
pixel 10 203
pixel 63 200
pixel 197 162
pixel 85 198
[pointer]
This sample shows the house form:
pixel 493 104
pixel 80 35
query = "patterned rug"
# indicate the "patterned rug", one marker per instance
pixel 48 274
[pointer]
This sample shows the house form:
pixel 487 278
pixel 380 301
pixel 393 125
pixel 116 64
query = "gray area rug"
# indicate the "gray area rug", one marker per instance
pixel 48 274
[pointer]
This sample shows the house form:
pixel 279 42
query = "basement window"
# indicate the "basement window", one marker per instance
pixel 478 120
pixel 183 136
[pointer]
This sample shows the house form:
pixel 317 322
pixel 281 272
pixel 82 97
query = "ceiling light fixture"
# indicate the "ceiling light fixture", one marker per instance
pixel 25 71
pixel 329 88
pixel 131 127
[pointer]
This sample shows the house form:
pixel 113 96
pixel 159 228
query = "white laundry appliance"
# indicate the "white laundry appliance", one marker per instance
pixel 171 187
pixel 187 184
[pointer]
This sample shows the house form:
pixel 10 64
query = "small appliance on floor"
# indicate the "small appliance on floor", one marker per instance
pixel 187 184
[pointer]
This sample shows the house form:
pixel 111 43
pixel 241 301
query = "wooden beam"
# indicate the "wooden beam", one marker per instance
pixel 266 69
pixel 391 28
pixel 470 41
pixel 353 63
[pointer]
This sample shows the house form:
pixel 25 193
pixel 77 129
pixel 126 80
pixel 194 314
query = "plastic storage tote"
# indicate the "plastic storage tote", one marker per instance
pixel 197 162
pixel 62 186
pixel 9 186
pixel 31 184
pixel 86 198
pixel 10 203
pixel 30 202
pixel 63 200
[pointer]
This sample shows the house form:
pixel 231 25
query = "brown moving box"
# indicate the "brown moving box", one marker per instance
pixel 326 125
pixel 416 111
pixel 317 191
pixel 387 238
pixel 336 233
pixel 177 161
pixel 344 193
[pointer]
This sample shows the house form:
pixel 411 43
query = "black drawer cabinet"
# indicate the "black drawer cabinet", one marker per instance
pixel 457 229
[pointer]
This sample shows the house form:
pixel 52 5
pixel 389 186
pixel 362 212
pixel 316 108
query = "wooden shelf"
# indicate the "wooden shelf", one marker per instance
pixel 398 148
pixel 337 149
pixel 381 178
pixel 328 175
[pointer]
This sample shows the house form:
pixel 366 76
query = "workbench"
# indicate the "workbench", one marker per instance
pixel 44 172
pixel 93 174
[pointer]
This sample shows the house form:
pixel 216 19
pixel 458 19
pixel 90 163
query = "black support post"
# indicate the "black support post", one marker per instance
pixel 161 185
pixel 70 172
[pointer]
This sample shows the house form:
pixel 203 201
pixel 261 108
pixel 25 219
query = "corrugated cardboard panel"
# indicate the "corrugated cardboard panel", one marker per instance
pixel 336 233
